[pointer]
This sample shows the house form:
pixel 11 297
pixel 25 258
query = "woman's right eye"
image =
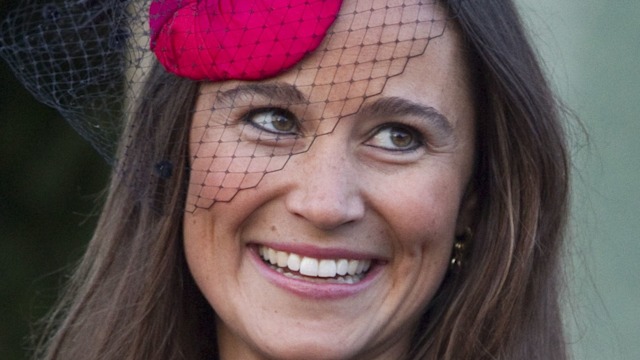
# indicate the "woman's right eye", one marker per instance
pixel 273 120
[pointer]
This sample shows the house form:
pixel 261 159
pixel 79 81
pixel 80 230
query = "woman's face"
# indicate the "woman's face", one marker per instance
pixel 359 227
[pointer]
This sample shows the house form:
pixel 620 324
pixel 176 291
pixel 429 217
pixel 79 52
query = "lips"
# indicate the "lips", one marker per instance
pixel 339 270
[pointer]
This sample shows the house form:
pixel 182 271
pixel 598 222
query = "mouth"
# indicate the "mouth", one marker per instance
pixel 296 266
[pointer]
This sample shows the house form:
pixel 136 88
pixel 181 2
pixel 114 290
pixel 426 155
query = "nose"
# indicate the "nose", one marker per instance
pixel 327 189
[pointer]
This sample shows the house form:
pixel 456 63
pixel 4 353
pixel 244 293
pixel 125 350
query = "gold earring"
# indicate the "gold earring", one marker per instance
pixel 459 250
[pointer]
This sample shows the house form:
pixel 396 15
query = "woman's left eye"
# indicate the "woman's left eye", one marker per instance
pixel 395 138
pixel 273 120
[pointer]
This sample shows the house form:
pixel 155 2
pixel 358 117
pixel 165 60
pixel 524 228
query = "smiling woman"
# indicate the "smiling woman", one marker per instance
pixel 335 252
pixel 329 180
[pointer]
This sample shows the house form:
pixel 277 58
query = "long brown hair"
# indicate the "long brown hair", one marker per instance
pixel 506 303
pixel 132 296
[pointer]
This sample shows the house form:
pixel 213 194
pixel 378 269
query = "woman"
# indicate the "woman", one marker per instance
pixel 421 219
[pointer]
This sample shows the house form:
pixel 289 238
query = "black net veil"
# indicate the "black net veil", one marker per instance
pixel 89 59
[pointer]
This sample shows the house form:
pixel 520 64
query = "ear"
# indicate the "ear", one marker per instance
pixel 468 208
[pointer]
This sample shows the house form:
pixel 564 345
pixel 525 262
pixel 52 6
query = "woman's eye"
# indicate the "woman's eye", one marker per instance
pixel 273 120
pixel 396 138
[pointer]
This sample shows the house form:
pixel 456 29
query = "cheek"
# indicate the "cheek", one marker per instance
pixel 429 206
pixel 198 251
pixel 204 254
pixel 221 165
pixel 423 219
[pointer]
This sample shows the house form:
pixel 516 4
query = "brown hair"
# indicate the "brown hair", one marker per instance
pixel 506 303
pixel 132 296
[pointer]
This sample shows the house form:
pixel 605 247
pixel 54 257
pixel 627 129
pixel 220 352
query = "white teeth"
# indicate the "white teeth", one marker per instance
pixel 283 258
pixel 367 265
pixel 272 256
pixel 294 262
pixel 342 266
pixel 353 266
pixel 347 271
pixel 327 268
pixel 309 266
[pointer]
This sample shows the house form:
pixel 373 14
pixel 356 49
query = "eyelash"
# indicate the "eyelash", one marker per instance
pixel 251 117
pixel 417 138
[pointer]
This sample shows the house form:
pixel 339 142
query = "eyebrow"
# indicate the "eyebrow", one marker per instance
pixel 399 107
pixel 277 92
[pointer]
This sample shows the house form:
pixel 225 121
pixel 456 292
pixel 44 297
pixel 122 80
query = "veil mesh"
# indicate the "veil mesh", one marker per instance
pixel 89 60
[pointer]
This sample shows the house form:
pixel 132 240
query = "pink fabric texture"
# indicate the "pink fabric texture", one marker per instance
pixel 233 39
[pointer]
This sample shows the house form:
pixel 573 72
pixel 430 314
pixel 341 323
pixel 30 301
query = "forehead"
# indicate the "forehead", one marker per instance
pixel 369 42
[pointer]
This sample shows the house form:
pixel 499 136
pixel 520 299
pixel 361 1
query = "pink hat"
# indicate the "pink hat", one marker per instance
pixel 247 40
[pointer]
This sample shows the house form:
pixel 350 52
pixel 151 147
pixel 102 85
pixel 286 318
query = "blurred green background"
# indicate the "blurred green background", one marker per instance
pixel 592 53
pixel 51 182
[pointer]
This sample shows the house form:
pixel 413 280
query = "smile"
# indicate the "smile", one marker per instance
pixel 343 271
